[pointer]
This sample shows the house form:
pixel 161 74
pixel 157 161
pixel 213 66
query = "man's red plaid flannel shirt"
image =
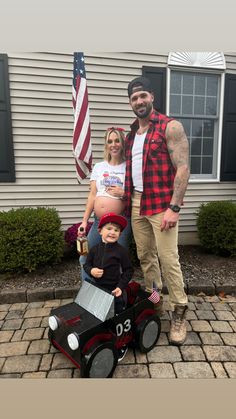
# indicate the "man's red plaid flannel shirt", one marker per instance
pixel 158 171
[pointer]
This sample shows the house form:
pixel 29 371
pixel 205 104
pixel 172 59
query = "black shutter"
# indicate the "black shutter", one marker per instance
pixel 157 76
pixel 228 156
pixel 7 172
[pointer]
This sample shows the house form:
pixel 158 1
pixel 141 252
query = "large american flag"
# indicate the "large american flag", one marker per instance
pixel 81 136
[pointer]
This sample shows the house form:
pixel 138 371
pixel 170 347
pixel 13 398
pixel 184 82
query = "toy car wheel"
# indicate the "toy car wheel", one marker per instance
pixel 100 362
pixel 147 333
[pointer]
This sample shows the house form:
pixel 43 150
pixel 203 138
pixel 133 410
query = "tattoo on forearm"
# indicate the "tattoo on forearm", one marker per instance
pixel 180 186
pixel 178 148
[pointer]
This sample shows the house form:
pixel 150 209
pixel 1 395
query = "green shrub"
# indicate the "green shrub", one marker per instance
pixel 30 237
pixel 216 223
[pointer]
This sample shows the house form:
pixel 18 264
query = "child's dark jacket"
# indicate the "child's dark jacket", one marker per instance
pixel 113 258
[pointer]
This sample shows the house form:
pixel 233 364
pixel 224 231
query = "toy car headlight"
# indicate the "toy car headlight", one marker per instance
pixel 53 322
pixel 73 341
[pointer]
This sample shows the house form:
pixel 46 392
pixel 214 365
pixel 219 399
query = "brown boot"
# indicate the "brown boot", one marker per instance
pixel 178 327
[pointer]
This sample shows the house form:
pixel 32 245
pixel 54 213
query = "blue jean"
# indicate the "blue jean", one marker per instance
pixel 94 238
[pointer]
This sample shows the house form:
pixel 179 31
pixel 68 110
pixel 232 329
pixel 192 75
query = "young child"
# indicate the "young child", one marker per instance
pixel 108 262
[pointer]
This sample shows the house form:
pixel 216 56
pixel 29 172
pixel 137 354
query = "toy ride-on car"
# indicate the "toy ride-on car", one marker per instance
pixel 89 333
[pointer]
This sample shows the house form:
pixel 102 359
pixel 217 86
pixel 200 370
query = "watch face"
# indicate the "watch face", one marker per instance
pixel 175 208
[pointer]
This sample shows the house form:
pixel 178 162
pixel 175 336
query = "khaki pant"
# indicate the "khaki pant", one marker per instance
pixel 155 249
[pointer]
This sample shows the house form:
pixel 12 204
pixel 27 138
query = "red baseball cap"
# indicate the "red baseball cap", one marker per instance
pixel 111 217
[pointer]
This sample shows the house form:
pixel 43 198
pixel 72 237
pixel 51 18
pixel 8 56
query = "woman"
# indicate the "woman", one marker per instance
pixel 107 189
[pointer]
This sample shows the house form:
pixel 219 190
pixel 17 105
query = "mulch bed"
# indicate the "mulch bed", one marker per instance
pixel 198 267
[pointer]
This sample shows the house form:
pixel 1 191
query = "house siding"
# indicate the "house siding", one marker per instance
pixel 42 122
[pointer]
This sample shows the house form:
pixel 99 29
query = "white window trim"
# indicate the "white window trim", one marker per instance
pixel 217 69
pixel 209 60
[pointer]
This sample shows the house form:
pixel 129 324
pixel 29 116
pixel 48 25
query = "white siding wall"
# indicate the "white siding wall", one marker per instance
pixel 42 119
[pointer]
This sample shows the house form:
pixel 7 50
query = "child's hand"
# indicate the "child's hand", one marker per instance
pixel 96 272
pixel 117 292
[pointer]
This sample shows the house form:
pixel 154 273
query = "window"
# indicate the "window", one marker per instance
pixel 195 100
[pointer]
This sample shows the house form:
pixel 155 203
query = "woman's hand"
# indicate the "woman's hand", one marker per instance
pixel 117 292
pixel 84 226
pixel 116 191
pixel 96 272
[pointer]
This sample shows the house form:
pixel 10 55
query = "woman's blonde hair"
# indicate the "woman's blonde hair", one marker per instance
pixel 120 132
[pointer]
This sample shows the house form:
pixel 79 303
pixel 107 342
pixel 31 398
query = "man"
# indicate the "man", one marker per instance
pixel 157 173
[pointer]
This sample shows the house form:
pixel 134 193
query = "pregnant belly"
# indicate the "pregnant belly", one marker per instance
pixel 103 205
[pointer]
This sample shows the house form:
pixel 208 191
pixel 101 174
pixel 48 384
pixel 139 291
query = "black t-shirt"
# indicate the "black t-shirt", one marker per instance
pixel 114 259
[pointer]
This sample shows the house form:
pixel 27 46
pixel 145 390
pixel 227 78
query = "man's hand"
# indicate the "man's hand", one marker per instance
pixel 170 219
pixel 117 292
pixel 96 272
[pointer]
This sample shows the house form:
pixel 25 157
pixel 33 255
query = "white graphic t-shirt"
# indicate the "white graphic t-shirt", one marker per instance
pixel 106 175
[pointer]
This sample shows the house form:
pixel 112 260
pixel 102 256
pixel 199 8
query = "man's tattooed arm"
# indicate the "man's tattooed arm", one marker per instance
pixel 178 147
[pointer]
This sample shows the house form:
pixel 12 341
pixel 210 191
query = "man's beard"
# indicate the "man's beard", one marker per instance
pixel 144 113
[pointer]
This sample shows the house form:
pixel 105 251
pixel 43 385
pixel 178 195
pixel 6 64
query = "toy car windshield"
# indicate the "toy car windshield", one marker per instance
pixel 96 301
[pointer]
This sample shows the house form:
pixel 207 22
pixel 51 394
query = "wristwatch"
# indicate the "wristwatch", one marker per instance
pixel 174 208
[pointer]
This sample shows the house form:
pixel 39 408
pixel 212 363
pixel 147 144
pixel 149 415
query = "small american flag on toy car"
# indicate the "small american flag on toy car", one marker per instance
pixel 154 297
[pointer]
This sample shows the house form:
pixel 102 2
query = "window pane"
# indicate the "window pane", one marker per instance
pixel 196 145
pixel 200 85
pixel 187 105
pixel 188 84
pixel 197 128
pixel 195 165
pixel 211 104
pixel 207 165
pixel 199 105
pixel 187 125
pixel 208 146
pixel 175 83
pixel 212 85
pixel 208 128
pixel 175 102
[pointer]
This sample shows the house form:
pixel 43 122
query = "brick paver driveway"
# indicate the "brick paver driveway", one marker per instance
pixel 209 351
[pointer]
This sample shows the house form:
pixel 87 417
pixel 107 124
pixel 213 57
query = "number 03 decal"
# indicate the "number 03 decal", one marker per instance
pixel 121 328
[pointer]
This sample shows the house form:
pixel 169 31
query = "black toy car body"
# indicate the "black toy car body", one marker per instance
pixel 89 333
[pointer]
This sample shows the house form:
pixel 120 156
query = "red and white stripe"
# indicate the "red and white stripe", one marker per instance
pixel 82 149
pixel 154 297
